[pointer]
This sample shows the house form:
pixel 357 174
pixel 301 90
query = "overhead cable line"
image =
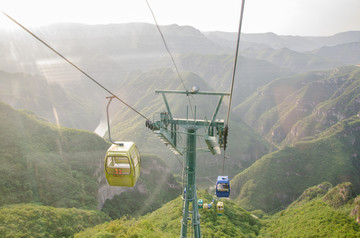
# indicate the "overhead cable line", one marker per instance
pixel 166 47
pixel 171 56
pixel 235 60
pixel 226 130
pixel 71 63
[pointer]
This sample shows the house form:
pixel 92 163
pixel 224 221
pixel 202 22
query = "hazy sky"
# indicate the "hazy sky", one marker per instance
pixel 286 17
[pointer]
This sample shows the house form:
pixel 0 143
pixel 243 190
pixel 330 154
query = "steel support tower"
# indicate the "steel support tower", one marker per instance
pixel 167 130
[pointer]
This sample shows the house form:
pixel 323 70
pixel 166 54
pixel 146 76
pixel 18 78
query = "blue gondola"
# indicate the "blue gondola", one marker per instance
pixel 222 186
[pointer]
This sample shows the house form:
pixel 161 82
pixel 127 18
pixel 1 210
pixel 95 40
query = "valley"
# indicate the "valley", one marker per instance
pixel 293 146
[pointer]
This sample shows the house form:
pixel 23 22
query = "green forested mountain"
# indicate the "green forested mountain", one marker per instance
pixel 113 53
pixel 347 54
pixel 29 220
pixel 277 179
pixel 165 222
pixel 343 103
pixel 322 212
pixel 41 162
pixel 292 60
pixel 156 186
pixel 50 100
pixel 216 71
pixel 310 116
pixel 289 109
pixel 39 137
pixel 60 167
pixel 326 57
pixel 128 125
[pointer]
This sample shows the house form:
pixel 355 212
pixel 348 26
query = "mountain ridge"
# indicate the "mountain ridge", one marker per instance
pixel 332 157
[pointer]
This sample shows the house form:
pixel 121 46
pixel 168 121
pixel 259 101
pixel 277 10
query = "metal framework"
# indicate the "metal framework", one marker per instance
pixel 166 129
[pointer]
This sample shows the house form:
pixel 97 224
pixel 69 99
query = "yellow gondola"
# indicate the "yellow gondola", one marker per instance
pixel 220 208
pixel 122 164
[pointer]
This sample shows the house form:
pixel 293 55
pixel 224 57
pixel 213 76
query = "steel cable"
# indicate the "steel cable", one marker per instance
pixel 226 130
pixel 76 67
pixel 171 56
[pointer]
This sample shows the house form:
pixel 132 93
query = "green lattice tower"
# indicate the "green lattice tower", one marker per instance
pixel 166 129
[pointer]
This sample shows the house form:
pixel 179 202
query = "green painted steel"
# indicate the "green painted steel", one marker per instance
pixel 190 197
pixel 217 109
pixel 192 93
pixel 169 137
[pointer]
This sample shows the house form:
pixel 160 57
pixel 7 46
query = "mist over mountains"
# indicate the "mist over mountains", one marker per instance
pixel 295 43
pixel 135 41
pixel 113 53
pixel 294 122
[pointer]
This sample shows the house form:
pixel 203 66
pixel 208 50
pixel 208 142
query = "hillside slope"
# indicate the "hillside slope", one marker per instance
pixel 155 187
pixel 69 107
pixel 29 220
pixel 289 109
pixel 277 179
pixel 216 71
pixel 347 54
pixel 165 222
pixel 245 146
pixel 41 162
pixel 61 167
pixel 328 213
pixel 292 60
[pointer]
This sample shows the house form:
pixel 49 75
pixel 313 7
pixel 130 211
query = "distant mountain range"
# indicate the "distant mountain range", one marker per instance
pixel 291 108
pixel 287 88
pixel 271 40
pixel 294 129
pixel 121 47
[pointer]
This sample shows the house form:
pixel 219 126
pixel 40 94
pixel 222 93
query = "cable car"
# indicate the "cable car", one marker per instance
pixel 207 206
pixel 200 203
pixel 122 164
pixel 122 160
pixel 222 186
pixel 220 208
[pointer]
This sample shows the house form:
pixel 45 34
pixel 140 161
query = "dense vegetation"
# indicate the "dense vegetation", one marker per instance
pixel 165 222
pixel 41 162
pixel 309 116
pixel 321 211
pixel 279 178
pixel 156 186
pixel 323 215
pixel 29 220
pixel 289 109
